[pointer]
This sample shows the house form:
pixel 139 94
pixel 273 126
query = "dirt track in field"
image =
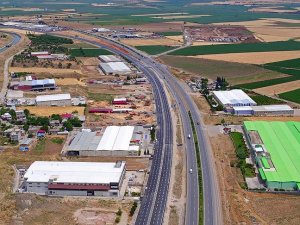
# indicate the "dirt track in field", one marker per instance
pixel 279 88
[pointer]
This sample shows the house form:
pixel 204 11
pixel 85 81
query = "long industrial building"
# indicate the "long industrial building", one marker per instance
pixel 276 147
pixel 232 98
pixel 54 100
pixel 109 58
pixel 115 68
pixel 263 110
pixel 34 85
pixel 115 141
pixel 75 178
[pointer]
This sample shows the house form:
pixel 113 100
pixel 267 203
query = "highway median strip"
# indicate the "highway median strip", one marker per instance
pixel 201 213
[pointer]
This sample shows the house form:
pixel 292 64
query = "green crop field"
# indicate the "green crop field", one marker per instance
pixel 89 52
pixel 293 96
pixel 123 12
pixel 289 67
pixel 170 33
pixel 154 49
pixel 265 100
pixel 239 48
pixel 78 45
pixel 235 73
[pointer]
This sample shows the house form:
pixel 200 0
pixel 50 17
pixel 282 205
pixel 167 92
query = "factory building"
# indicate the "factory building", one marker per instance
pixel 120 101
pixel 108 58
pixel 233 98
pixel 115 68
pixel 34 85
pixel 263 110
pixel 276 149
pixel 54 100
pixel 55 178
pixel 113 141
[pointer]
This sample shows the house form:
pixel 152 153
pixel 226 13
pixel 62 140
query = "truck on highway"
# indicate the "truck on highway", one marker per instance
pixel 191 170
pixel 189 136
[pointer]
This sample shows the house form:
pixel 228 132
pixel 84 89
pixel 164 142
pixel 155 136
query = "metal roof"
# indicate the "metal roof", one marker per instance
pixel 234 97
pixel 109 58
pixel 116 138
pixel 272 108
pixel 115 67
pixel 56 97
pixel 85 141
pixel 282 141
pixel 74 172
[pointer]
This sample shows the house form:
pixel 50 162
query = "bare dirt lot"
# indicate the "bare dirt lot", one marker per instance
pixel 253 57
pixel 268 29
pixel 42 71
pixel 49 110
pixel 227 33
pixel 81 211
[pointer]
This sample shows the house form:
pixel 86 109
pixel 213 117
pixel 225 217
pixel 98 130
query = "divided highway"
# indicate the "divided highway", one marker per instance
pixel 155 198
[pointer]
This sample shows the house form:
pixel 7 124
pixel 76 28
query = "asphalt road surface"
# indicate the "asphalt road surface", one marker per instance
pixel 154 201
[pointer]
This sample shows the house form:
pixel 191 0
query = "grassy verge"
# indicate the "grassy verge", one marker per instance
pixel 154 49
pixel 40 146
pixel 57 140
pixel 199 171
pixel 293 96
pixel 170 33
pixel 100 97
pixel 242 153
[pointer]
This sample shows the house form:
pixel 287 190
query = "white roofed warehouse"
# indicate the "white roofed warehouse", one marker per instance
pixel 113 141
pixel 109 58
pixel 75 178
pixel 114 68
pixel 54 100
pixel 233 98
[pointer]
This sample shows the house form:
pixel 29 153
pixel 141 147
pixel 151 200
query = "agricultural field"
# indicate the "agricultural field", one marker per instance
pixel 235 73
pixel 78 45
pixel 170 33
pixel 154 49
pixel 293 96
pixel 289 67
pixel 84 52
pixel 265 100
pixel 239 48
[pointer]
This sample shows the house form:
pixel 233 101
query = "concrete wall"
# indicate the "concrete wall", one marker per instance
pixel 39 188
pixel 281 185
pixel 42 189
pixel 114 193
pixel 56 103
